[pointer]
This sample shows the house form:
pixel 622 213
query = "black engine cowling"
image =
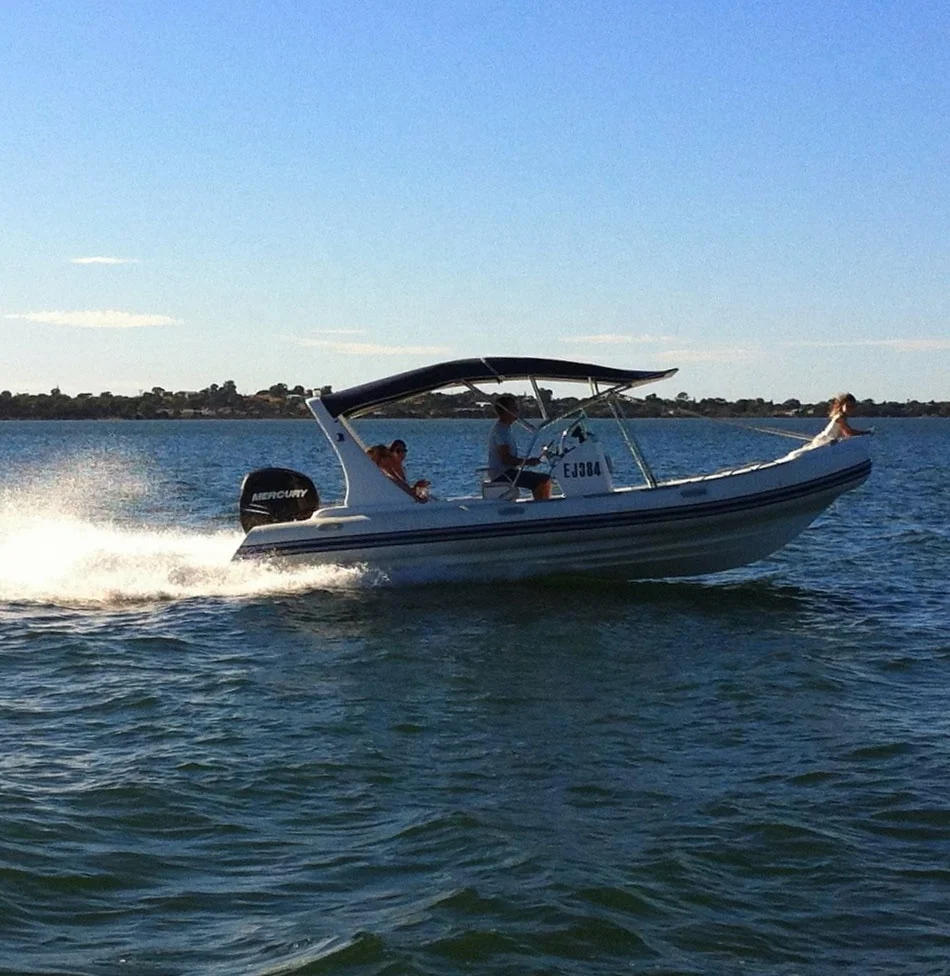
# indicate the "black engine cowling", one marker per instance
pixel 276 495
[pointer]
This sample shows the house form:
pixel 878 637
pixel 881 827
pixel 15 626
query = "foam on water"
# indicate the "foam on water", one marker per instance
pixel 70 560
pixel 66 537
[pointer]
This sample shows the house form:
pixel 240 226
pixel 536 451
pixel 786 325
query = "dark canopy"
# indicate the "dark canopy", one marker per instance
pixel 496 369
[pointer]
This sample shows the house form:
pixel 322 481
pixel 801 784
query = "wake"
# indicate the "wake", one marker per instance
pixel 76 533
pixel 69 560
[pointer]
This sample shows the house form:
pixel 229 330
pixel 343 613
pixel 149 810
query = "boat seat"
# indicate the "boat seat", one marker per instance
pixel 495 489
pixel 499 489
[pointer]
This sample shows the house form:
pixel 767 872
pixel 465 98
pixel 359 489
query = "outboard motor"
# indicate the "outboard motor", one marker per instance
pixel 276 495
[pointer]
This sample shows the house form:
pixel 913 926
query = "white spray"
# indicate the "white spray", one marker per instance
pixel 62 542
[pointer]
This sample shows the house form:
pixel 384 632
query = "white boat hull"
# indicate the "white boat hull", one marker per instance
pixel 683 528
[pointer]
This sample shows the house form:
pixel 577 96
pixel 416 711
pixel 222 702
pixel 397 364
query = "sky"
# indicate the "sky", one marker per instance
pixel 328 192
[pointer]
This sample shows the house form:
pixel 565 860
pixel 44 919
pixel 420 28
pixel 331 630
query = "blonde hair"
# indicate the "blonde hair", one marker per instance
pixel 839 400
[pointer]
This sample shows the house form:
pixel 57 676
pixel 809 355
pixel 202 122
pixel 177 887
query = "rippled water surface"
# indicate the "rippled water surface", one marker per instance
pixel 220 768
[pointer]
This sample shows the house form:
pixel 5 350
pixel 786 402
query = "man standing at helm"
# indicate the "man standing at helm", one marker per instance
pixel 504 464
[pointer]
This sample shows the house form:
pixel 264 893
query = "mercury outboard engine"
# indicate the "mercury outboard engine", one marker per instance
pixel 276 495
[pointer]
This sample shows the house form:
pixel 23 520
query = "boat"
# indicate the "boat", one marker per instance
pixel 685 526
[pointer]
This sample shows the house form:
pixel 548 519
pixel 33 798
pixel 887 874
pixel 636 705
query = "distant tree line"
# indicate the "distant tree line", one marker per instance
pixel 280 400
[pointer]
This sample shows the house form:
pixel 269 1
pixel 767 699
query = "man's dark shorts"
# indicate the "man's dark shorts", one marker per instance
pixel 528 480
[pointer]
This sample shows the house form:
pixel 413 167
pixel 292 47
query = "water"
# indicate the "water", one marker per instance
pixel 215 768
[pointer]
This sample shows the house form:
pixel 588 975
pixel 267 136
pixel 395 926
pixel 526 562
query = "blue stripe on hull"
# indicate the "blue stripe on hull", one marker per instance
pixel 297 547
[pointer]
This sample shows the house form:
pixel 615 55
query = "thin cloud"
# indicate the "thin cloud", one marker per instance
pixel 374 349
pixel 616 339
pixel 339 331
pixel 722 354
pixel 684 352
pixel 916 345
pixel 898 345
pixel 103 260
pixel 102 318
pixel 822 344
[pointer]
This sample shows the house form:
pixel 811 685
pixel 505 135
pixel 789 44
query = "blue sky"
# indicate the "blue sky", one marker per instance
pixel 328 192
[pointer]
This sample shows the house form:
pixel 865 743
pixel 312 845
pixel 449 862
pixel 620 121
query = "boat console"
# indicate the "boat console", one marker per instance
pixel 579 464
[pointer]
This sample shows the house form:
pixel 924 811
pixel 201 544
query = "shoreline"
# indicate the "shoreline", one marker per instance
pixel 282 403
pixel 671 415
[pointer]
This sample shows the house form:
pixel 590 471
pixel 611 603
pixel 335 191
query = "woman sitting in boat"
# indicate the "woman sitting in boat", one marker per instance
pixel 389 460
pixel 835 430
pixel 838 427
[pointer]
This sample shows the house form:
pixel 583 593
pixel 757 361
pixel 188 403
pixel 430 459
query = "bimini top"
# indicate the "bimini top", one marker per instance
pixel 495 370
